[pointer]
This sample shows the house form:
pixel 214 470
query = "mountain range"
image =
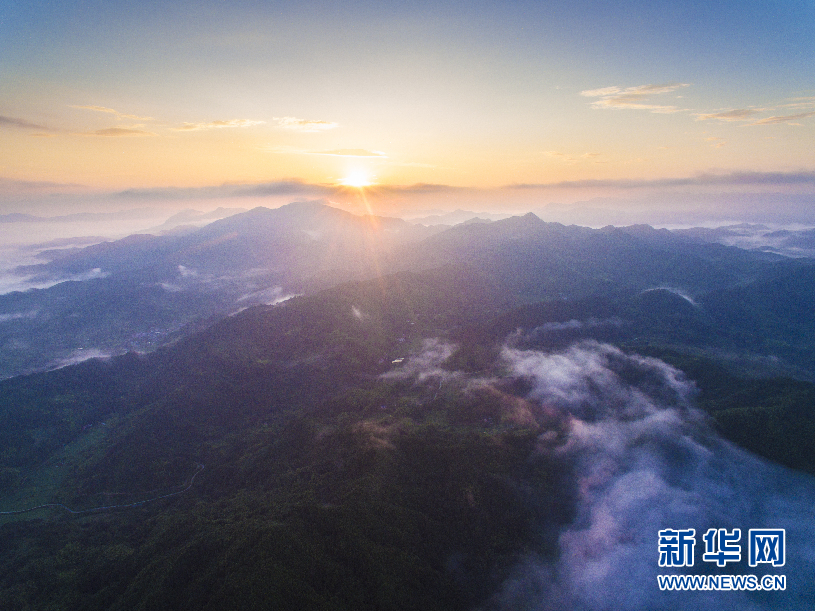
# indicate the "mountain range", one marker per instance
pixel 145 290
pixel 435 420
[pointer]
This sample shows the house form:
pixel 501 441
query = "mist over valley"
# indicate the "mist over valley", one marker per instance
pixel 386 306
pixel 343 410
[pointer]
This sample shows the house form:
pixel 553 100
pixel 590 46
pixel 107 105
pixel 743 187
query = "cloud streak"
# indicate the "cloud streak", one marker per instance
pixel 8 185
pixel 111 111
pixel 283 187
pixel 639 458
pixel 740 114
pixel 231 123
pixel 13 122
pixel 639 98
pixel 305 125
pixel 426 365
pixel 290 150
pixel 749 114
pixel 705 179
pixel 633 98
pixel 784 119
pixel 349 153
pixel 118 132
pixel 570 159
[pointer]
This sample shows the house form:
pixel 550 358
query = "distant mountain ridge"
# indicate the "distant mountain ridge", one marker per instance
pixel 148 288
pixel 265 255
pixel 398 440
pixel 135 213
pixel 254 238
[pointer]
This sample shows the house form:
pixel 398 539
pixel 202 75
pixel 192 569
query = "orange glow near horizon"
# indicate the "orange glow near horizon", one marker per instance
pixel 402 116
pixel 357 179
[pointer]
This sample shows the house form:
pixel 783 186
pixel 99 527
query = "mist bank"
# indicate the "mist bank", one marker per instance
pixel 704 199
pixel 634 455
pixel 642 458
pixel 141 291
pixel 404 436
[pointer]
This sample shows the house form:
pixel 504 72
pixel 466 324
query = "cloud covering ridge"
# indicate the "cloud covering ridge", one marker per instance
pixel 642 459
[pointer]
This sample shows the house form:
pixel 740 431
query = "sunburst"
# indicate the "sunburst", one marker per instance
pixel 357 179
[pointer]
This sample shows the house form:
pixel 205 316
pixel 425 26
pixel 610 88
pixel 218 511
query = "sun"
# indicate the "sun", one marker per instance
pixel 357 179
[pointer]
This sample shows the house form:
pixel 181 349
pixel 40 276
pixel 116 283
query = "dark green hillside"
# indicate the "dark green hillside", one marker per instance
pixel 772 417
pixel 335 521
pixel 267 462
pixel 774 316
pixel 323 486
pixel 162 287
pixel 106 314
pixel 537 260
pixel 149 290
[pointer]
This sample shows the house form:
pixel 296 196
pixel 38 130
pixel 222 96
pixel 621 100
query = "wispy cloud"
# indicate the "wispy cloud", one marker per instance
pixel 379 156
pixel 621 443
pixel 305 125
pixel 705 179
pixel 604 91
pixel 633 98
pixel 808 102
pixel 570 159
pixel 413 164
pixel 784 118
pixel 739 114
pixel 282 187
pixel 749 115
pixel 15 123
pixel 80 355
pixel 18 315
pixel 219 124
pixel 117 132
pixel 423 189
pixel 8 185
pixel 291 150
pixel 111 111
pixel 350 153
pixel 426 365
pixel 19 123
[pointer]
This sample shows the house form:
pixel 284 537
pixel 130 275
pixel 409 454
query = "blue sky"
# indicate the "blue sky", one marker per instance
pixel 104 97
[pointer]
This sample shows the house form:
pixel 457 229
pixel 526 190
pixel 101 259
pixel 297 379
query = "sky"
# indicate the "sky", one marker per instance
pixel 645 107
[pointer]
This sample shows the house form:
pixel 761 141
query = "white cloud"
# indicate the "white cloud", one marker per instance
pixel 305 125
pixel 749 114
pixel 350 153
pixel 427 364
pixel 111 111
pixel 18 315
pixel 291 150
pixel 633 98
pixel 739 114
pixel 20 123
pixel 605 91
pixel 219 124
pixel 800 103
pixel 638 457
pixel 566 158
pixel 784 119
pixel 119 132
pixel 80 355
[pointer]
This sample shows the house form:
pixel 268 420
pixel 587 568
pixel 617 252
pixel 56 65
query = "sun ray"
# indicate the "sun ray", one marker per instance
pixel 357 179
